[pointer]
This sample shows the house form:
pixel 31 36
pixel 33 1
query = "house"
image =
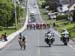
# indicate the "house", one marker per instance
pixel 67 5
pixel 71 2
pixel 64 8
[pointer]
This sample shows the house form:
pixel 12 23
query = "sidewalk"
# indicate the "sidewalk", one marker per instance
pixel 13 35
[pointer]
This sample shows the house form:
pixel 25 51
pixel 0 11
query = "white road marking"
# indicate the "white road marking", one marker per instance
pixel 38 46
pixel 71 46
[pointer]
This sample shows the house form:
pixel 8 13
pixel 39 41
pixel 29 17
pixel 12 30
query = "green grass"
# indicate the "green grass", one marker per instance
pixel 8 31
pixel 5 1
pixel 73 34
pixel 44 16
pixel 12 29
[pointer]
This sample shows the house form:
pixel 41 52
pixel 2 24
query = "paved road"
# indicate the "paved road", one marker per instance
pixel 36 45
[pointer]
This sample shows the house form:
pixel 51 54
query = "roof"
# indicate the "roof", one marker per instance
pixel 64 8
pixel 72 7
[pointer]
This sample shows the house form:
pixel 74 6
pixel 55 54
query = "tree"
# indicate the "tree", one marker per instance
pixel 7 16
pixel 53 4
pixel 6 13
pixel 74 14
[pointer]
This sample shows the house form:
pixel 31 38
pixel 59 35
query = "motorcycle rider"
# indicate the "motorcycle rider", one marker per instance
pixel 65 35
pixel 49 35
pixel 49 39
pixel 46 35
pixel 20 40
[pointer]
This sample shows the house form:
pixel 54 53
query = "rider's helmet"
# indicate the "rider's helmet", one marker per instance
pixel 64 30
pixel 48 32
pixel 20 36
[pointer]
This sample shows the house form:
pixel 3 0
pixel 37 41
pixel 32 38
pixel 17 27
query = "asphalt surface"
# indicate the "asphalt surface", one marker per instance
pixel 35 43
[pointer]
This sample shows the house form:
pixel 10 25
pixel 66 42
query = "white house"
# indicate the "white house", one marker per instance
pixel 63 8
pixel 72 7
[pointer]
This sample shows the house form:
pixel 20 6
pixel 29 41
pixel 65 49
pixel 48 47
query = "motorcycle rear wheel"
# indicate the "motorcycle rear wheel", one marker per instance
pixel 65 43
pixel 49 45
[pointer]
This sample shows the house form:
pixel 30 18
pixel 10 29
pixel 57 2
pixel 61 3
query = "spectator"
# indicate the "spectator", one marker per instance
pixel 70 19
pixel 54 24
pixel 20 40
pixel 49 15
pixel 24 42
pixel 5 36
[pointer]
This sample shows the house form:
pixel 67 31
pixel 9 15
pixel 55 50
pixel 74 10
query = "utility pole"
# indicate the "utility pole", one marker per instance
pixel 15 14
pixel 69 13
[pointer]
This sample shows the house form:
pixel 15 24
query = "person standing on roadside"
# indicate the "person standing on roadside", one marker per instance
pixel 5 36
pixel 20 40
pixel 24 42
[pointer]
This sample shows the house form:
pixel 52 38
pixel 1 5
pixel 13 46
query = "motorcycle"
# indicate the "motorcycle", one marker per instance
pixel 65 37
pixel 65 40
pixel 49 41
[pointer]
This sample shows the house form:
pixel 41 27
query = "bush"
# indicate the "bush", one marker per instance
pixel 72 34
pixel 7 15
pixel 74 15
pixel 71 29
pixel 66 23
pixel 43 5
pixel 1 28
pixel 6 11
pixel 59 17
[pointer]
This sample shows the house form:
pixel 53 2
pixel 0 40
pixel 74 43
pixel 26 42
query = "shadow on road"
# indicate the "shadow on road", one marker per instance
pixel 58 45
pixel 14 49
pixel 43 46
